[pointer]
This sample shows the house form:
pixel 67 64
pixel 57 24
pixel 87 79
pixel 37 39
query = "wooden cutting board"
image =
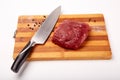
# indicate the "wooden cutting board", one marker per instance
pixel 95 47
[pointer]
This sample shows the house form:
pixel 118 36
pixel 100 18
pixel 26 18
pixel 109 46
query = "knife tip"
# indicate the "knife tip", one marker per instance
pixel 59 7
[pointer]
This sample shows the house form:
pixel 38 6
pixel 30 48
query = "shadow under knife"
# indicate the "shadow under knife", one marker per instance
pixel 23 69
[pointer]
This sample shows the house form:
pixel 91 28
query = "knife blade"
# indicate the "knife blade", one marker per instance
pixel 39 37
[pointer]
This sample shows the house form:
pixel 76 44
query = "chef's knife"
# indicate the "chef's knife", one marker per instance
pixel 39 37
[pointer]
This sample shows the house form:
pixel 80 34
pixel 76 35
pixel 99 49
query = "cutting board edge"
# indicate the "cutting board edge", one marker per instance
pixel 94 14
pixel 106 57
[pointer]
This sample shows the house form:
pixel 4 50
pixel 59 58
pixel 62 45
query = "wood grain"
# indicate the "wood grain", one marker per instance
pixel 95 47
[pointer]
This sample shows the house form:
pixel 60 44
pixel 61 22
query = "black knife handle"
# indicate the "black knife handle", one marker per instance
pixel 21 58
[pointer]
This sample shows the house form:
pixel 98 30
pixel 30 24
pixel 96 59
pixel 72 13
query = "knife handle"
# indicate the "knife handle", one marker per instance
pixel 21 58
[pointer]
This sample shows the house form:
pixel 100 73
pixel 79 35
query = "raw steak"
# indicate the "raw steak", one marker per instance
pixel 70 34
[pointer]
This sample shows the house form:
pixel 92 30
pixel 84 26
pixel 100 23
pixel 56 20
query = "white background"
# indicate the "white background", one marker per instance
pixel 59 70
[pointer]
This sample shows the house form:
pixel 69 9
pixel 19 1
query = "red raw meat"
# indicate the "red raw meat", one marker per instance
pixel 70 34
